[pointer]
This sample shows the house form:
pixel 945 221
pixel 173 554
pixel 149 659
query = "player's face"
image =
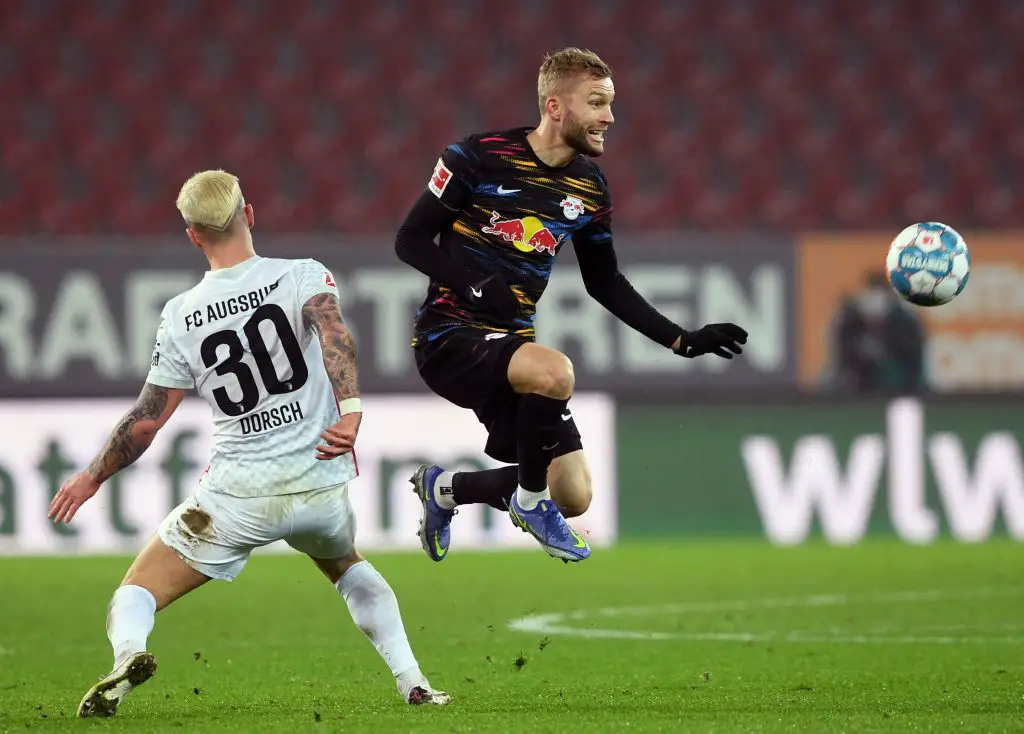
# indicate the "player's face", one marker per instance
pixel 588 114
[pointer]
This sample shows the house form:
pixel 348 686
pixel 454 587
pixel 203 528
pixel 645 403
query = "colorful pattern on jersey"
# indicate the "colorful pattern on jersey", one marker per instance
pixel 514 215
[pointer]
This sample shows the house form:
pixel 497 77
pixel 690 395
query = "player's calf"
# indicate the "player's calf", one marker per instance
pixel 374 608
pixel 570 483
pixel 155 579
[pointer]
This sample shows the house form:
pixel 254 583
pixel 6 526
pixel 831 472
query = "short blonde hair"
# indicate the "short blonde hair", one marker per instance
pixel 561 68
pixel 211 200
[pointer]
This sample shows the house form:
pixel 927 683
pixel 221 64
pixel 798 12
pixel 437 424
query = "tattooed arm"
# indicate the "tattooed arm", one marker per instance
pixel 136 430
pixel 323 313
pixel 130 439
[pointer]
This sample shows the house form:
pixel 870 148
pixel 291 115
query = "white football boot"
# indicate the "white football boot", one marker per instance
pixel 103 698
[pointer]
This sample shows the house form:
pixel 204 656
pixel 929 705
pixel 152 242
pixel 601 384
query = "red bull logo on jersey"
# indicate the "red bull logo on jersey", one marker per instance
pixel 527 234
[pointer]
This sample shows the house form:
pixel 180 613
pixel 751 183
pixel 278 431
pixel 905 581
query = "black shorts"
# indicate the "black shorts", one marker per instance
pixel 469 367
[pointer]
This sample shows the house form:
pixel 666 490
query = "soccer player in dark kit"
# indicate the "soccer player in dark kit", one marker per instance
pixel 503 204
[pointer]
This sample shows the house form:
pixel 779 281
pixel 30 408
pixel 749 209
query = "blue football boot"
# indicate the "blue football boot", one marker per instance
pixel 546 524
pixel 435 530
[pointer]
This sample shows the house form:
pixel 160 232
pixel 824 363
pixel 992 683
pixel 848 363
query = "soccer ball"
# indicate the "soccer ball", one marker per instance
pixel 928 264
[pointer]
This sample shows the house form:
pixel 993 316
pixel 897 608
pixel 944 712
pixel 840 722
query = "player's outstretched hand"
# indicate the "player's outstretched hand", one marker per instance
pixel 340 438
pixel 72 495
pixel 493 295
pixel 723 340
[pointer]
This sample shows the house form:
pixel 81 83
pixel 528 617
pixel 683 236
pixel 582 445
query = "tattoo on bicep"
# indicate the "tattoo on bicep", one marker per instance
pixel 130 439
pixel 339 347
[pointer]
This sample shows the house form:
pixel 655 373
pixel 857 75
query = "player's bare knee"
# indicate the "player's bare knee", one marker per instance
pixel 541 371
pixel 557 378
pixel 162 596
pixel 144 579
pixel 165 585
pixel 348 562
pixel 335 568
pixel 164 573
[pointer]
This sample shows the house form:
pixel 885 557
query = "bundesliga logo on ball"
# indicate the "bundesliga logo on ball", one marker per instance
pixel 928 264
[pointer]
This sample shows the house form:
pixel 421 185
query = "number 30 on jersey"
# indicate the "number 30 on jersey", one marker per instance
pixel 233 364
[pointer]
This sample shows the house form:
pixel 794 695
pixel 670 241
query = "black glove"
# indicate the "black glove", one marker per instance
pixel 493 296
pixel 721 339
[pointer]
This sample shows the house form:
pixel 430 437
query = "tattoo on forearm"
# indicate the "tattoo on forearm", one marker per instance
pixel 132 436
pixel 323 313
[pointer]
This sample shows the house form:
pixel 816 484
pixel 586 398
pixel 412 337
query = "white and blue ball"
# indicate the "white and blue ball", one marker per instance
pixel 928 264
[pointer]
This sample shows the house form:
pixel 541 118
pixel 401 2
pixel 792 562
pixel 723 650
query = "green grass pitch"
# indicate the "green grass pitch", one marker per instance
pixel 696 637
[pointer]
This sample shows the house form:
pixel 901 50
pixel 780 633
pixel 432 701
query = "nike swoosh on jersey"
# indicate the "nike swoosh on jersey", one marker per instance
pixel 505 192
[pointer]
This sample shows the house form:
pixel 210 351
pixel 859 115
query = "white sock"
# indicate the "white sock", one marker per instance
pixel 129 621
pixel 443 490
pixel 374 608
pixel 528 500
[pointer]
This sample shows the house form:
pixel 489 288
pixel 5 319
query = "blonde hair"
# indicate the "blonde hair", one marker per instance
pixel 560 68
pixel 211 200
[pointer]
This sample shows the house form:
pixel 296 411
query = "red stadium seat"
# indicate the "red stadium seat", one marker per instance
pixel 29 21
pixel 68 213
pixel 797 114
pixel 166 24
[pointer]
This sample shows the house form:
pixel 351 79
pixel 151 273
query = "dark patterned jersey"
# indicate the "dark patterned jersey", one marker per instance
pixel 513 215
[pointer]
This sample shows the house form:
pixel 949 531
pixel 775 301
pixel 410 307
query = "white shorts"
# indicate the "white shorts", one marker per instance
pixel 214 533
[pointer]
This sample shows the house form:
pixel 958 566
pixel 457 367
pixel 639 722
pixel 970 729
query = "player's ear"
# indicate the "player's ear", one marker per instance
pixel 193 237
pixel 250 217
pixel 553 106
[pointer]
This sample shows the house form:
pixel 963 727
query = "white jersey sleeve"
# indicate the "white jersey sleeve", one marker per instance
pixel 313 278
pixel 240 334
pixel 168 368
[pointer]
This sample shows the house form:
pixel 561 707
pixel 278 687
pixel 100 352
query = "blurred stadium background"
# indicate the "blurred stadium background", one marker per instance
pixel 763 156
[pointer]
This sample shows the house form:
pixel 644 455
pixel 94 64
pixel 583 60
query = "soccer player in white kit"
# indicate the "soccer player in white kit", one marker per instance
pixel 263 342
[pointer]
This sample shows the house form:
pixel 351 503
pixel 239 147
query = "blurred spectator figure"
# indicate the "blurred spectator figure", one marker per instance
pixel 877 342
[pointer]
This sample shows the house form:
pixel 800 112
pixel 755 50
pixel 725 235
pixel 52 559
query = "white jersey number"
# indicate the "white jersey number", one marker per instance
pixel 234 365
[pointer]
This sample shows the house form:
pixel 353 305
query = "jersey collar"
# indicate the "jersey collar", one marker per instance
pixel 235 271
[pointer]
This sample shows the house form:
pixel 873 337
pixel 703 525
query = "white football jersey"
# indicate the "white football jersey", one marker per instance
pixel 238 338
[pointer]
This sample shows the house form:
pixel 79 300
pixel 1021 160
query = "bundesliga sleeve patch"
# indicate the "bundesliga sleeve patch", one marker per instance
pixel 439 181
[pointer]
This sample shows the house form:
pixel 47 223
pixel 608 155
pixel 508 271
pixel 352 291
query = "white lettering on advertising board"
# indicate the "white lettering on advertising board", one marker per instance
pixel 973 488
pixel 46 441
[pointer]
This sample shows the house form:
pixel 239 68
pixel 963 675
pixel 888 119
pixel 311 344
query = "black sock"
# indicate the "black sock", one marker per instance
pixel 539 421
pixel 493 487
